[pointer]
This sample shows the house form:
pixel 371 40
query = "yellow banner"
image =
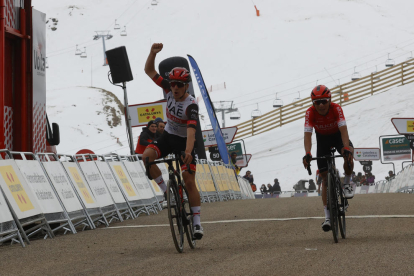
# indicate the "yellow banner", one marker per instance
pixel 121 174
pixel 151 112
pixel 16 188
pixel 82 187
pixel 410 126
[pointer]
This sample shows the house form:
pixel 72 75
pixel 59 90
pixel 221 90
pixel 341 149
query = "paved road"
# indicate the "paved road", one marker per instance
pixel 381 246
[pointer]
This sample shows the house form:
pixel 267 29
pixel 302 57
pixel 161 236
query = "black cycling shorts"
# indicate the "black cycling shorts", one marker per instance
pixel 324 143
pixel 169 143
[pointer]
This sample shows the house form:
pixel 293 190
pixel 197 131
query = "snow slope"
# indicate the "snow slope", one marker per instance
pixel 292 46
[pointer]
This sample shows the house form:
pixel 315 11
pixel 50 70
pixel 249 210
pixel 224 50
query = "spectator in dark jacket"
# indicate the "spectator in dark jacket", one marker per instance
pixel 390 176
pixel 312 185
pixel 148 135
pixel 263 189
pixel 249 177
pixel 160 126
pixel 363 181
pixel 276 187
pixel 269 189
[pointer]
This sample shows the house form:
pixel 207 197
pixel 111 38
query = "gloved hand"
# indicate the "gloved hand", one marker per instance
pixel 307 159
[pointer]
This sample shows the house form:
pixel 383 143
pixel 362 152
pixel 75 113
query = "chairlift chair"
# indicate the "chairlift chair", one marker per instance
pixel 389 62
pixel 84 55
pixel 375 78
pixel 356 75
pixel 154 2
pixel 277 102
pixel 117 27
pixel 124 33
pixel 256 113
pixel 410 60
pixel 78 52
pixel 53 28
pixel 235 115
pixel 297 99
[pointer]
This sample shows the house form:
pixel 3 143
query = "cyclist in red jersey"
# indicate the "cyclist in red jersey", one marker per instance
pixel 179 132
pixel 328 120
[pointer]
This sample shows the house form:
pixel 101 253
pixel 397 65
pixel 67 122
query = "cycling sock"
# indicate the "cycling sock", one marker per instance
pixel 196 215
pixel 161 183
pixel 347 179
pixel 327 214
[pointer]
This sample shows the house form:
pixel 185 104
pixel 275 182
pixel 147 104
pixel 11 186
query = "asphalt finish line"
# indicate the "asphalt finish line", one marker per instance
pixel 265 219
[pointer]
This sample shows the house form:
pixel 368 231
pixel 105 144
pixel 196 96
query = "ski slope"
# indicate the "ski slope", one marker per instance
pixel 288 49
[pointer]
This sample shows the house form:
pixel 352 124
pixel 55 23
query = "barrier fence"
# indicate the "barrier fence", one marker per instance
pixel 403 182
pixel 46 193
pixel 345 94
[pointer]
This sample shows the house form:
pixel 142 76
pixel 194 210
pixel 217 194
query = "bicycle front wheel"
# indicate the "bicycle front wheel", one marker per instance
pixel 175 215
pixel 188 218
pixel 333 206
pixel 342 209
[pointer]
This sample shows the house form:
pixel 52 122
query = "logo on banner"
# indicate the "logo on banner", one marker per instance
pixel 84 191
pixel 148 113
pixel 16 188
pixel 124 180
pixel 410 126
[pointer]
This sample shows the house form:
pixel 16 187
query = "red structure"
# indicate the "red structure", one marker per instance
pixel 23 126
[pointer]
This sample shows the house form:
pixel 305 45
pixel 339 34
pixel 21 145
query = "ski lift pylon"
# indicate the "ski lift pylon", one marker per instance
pixel 356 75
pixel 389 62
pixel 256 113
pixel 124 33
pixel 277 102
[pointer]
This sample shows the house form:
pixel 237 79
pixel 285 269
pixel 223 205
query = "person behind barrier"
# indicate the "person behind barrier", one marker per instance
pixel 390 176
pixel 276 187
pixel 147 135
pixel 269 189
pixel 370 179
pixel 363 181
pixel 249 177
pixel 263 189
pixel 179 134
pixel 160 126
pixel 328 120
pixel 234 161
pixel 312 186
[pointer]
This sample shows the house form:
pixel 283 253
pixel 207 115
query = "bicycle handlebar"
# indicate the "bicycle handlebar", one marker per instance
pixel 324 157
pixel 176 156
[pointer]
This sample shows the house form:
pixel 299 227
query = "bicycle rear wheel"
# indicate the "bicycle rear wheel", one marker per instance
pixel 175 215
pixel 333 206
pixel 188 220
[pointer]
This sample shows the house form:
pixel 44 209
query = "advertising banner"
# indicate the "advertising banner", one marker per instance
pixel 395 148
pixel 403 125
pixel 210 139
pixel 141 114
pixel 362 154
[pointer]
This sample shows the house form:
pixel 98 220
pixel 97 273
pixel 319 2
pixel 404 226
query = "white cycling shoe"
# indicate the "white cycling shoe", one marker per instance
pixel 326 225
pixel 348 191
pixel 198 232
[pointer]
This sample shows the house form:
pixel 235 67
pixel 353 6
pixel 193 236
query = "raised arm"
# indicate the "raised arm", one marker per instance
pixel 150 63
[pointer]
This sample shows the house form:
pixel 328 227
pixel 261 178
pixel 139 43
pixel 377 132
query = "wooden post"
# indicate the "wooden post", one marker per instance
pixel 402 73
pixel 372 84
pixel 280 124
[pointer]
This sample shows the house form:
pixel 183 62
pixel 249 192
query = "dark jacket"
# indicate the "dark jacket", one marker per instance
pixel 276 187
pixel 249 178
pixel 145 138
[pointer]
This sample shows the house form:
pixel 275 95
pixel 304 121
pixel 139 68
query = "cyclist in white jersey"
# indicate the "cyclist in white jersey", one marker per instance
pixel 179 133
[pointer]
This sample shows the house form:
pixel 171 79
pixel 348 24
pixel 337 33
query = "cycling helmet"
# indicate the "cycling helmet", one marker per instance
pixel 180 74
pixel 320 92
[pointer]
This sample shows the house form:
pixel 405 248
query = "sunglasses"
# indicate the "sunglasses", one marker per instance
pixel 318 102
pixel 178 83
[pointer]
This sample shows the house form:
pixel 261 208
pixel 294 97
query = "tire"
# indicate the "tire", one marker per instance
pixel 341 218
pixel 175 216
pixel 188 216
pixel 333 206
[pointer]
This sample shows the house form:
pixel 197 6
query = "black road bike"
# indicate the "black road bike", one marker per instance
pixel 180 215
pixel 337 203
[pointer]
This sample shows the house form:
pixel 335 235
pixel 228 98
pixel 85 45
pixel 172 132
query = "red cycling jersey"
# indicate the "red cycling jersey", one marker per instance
pixel 327 124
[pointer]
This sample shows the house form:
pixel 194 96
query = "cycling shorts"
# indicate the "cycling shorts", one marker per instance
pixel 169 143
pixel 324 143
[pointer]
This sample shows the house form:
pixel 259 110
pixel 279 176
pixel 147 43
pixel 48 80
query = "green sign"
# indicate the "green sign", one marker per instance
pixel 396 148
pixel 237 148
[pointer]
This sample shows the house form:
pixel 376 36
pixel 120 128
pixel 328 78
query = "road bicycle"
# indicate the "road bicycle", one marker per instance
pixel 337 203
pixel 180 215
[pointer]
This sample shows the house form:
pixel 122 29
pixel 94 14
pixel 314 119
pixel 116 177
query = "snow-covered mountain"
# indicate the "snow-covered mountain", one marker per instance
pixel 292 46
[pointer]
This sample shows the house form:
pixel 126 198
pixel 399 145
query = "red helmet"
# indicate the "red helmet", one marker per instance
pixel 180 74
pixel 320 92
